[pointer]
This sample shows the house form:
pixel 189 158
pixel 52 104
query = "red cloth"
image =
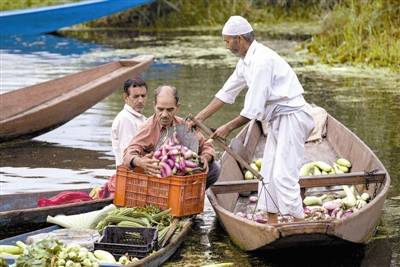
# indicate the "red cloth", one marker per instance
pixel 108 189
pixel 64 198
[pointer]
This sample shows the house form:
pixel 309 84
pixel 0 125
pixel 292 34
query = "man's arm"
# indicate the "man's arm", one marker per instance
pixel 148 164
pixel 206 151
pixel 134 158
pixel 210 109
pixel 224 130
pixel 134 154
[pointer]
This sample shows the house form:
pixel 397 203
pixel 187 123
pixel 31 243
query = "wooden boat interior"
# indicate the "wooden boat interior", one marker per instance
pixel 338 142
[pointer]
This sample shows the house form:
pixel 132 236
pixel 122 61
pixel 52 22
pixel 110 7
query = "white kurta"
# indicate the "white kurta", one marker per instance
pixel 124 128
pixel 274 95
pixel 282 160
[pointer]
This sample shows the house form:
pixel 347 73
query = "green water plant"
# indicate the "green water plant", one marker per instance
pixel 366 32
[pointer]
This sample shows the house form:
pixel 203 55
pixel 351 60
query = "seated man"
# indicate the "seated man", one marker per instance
pixel 124 127
pixel 130 118
pixel 166 105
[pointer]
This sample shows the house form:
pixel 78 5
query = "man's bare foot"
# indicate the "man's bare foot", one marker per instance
pixel 272 218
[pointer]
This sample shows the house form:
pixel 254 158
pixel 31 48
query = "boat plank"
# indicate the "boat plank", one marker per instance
pixel 305 182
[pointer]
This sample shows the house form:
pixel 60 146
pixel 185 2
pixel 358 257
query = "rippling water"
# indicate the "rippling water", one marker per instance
pixel 78 154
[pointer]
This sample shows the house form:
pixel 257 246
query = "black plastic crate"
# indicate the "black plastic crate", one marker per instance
pixel 137 242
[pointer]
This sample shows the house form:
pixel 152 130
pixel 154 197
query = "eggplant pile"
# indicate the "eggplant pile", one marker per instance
pixel 176 159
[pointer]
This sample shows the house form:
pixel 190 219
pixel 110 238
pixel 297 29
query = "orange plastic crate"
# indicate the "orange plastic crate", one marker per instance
pixel 183 194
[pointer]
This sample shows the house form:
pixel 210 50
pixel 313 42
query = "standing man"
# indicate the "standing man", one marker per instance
pixel 130 118
pixel 274 95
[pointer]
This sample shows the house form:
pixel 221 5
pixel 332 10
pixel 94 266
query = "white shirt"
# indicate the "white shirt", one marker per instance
pixel 273 87
pixel 124 128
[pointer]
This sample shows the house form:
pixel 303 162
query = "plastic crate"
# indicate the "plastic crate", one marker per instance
pixel 137 242
pixel 183 194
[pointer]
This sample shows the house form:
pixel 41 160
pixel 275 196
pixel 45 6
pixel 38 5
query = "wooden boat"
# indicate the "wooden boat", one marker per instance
pixel 37 109
pixel 19 212
pixel 339 141
pixel 155 259
pixel 50 19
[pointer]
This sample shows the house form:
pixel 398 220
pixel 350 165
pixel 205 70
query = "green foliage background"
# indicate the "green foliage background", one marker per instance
pixel 353 31
pixel 363 31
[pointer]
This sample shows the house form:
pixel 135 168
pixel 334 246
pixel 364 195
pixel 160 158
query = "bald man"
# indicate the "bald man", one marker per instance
pixel 166 106
pixel 274 95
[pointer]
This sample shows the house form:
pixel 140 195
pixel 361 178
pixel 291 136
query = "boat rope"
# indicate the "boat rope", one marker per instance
pixel 241 162
pixel 263 187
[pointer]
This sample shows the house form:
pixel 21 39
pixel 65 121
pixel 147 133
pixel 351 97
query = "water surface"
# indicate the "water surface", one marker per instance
pixel 78 154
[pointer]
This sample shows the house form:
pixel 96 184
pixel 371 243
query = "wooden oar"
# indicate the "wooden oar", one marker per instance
pixel 221 144
pixel 238 158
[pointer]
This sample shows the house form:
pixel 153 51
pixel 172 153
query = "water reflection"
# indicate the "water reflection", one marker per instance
pixel 46 44
pixel 33 166
pixel 366 101
pixel 37 154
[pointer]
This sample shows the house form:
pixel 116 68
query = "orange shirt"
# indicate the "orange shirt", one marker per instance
pixel 147 138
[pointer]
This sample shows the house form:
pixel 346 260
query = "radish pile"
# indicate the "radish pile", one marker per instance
pixel 176 159
pixel 335 206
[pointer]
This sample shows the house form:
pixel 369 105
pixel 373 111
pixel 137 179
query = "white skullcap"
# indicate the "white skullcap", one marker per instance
pixel 236 25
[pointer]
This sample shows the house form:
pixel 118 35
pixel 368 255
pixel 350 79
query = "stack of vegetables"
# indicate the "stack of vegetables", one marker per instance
pixel 149 216
pixel 335 205
pixel 258 215
pixel 49 252
pixel 12 251
pixel 53 253
pixel 328 206
pixel 256 165
pixel 341 165
pixel 176 159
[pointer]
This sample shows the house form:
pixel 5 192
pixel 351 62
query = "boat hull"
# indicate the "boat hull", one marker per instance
pixel 355 229
pixel 66 97
pixel 155 259
pixel 50 19
pixel 19 213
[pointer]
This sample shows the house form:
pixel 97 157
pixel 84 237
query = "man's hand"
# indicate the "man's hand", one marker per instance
pixel 222 132
pixel 190 124
pixel 149 165
pixel 204 160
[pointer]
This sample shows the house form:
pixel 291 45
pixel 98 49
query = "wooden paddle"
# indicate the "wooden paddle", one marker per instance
pixel 229 150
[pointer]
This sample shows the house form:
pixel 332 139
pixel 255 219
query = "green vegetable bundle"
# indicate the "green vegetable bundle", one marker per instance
pixel 149 216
